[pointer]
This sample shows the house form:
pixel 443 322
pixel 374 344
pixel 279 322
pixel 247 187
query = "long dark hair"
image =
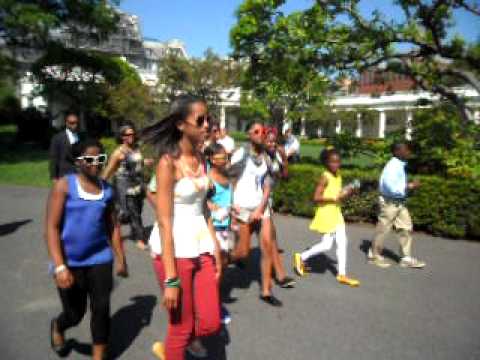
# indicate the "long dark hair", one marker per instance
pixel 164 135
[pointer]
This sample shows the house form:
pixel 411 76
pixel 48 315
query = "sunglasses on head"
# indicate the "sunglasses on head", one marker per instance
pixel 94 159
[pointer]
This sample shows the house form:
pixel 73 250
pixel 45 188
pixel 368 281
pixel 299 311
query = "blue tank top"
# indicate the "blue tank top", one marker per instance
pixel 84 229
pixel 223 199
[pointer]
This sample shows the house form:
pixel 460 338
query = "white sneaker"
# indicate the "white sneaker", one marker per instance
pixel 411 262
pixel 370 256
pixel 380 262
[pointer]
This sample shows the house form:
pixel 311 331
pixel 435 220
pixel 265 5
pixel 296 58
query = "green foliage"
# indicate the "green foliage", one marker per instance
pixel 109 144
pixel 279 72
pixel 442 144
pixel 129 101
pixel 347 144
pixel 443 207
pixel 105 85
pixel 287 53
pixel 205 77
pixel 253 108
pixel 29 23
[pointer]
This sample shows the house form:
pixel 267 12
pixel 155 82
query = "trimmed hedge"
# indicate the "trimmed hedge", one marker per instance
pixel 443 207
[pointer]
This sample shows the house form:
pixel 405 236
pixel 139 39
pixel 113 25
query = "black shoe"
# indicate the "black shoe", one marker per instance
pixel 60 350
pixel 286 283
pixel 271 300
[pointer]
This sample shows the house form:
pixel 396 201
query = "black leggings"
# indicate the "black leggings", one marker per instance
pixel 95 281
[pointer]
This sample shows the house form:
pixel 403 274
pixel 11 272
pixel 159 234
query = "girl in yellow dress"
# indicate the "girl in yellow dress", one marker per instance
pixel 328 219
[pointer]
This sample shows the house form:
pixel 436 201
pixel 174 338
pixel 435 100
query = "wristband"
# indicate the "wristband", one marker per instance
pixel 172 283
pixel 59 269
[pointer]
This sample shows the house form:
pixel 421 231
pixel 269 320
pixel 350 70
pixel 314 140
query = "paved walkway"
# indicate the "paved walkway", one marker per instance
pixel 396 313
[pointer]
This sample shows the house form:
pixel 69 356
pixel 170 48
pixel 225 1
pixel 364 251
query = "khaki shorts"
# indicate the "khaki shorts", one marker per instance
pixel 244 214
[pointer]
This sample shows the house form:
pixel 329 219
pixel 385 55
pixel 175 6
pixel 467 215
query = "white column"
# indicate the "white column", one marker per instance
pixel 338 127
pixel 476 117
pixel 382 124
pixel 223 121
pixel 408 124
pixel 303 130
pixel 319 132
pixel 359 130
pixel 286 124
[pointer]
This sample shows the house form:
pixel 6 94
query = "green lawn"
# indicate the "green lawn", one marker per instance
pixel 21 164
pixel 27 164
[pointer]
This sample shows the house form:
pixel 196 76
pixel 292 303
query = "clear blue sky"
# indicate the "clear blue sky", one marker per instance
pixel 206 23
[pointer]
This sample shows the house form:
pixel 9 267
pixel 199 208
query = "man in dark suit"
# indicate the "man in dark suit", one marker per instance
pixel 61 160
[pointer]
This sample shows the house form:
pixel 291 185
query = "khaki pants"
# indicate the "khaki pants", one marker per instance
pixel 393 214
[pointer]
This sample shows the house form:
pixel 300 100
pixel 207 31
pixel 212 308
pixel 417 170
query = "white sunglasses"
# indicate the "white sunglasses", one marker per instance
pixel 94 159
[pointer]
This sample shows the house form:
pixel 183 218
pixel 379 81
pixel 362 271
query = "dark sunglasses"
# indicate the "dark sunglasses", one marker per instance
pixel 125 135
pixel 94 159
pixel 202 120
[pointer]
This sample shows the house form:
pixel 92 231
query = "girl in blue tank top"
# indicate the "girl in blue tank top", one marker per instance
pixel 220 198
pixel 220 205
pixel 83 238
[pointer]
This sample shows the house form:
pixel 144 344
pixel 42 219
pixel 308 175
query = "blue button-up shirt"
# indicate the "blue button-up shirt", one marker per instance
pixel 393 181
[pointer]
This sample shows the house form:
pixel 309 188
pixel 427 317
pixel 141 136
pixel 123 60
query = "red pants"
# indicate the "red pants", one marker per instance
pixel 199 310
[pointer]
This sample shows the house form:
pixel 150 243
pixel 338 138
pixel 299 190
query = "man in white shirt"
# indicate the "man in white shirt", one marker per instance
pixel 292 146
pixel 61 161
pixel 226 141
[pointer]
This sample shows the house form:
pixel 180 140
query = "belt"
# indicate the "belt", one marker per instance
pixel 397 201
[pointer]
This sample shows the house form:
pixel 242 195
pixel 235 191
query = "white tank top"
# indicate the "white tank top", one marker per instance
pixel 191 236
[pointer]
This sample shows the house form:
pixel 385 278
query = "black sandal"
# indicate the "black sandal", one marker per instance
pixel 60 350
pixel 286 283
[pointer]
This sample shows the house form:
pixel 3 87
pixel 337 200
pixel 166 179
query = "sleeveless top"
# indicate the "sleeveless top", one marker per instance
pixel 191 236
pixel 248 191
pixel 329 216
pixel 129 176
pixel 83 229
pixel 223 199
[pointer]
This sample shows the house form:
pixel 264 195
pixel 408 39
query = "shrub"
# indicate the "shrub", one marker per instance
pixel 443 207
pixel 33 126
pixel 454 148
pixel 110 144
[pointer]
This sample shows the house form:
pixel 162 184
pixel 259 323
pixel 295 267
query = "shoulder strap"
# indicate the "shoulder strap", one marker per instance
pixel 236 170
pixel 72 182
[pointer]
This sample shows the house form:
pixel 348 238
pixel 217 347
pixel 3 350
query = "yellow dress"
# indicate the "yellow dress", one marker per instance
pixel 329 216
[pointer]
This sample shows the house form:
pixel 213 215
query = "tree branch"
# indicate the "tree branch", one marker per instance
pixel 474 9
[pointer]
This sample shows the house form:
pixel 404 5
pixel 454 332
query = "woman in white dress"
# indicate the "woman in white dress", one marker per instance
pixel 185 251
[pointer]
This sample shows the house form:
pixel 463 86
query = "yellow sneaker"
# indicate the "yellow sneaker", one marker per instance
pixel 343 279
pixel 159 350
pixel 298 264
